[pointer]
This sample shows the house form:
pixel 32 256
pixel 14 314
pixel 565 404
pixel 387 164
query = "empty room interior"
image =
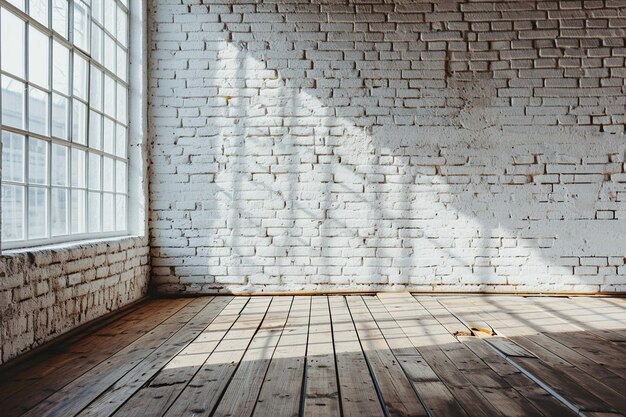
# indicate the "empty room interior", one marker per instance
pixel 313 208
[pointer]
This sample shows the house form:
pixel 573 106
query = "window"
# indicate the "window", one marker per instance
pixel 63 120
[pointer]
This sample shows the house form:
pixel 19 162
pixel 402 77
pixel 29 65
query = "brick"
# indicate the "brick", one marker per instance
pixel 356 131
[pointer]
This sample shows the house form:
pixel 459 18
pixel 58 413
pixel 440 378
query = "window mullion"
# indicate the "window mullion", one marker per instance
pixel 49 184
pixel 26 127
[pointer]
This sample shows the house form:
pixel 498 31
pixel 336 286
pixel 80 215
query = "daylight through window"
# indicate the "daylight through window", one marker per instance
pixel 64 119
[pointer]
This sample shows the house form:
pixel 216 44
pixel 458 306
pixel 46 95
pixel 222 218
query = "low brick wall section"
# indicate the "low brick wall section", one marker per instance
pixel 47 292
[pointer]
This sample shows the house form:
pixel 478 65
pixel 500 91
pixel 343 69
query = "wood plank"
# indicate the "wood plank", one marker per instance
pixel 577 349
pixel 495 389
pixel 480 390
pixel 79 393
pixel 575 385
pixel 118 393
pixel 202 394
pixel 567 387
pixel 154 398
pixel 436 397
pixel 508 347
pixel 242 393
pixel 356 387
pixel 536 395
pixel 604 317
pixel 322 393
pixel 26 389
pixel 398 395
pixel 556 353
pixel 281 391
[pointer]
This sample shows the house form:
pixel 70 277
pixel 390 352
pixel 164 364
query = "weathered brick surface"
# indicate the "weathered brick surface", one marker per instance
pixel 428 145
pixel 46 292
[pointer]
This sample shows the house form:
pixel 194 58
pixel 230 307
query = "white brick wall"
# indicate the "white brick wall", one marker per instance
pixel 46 292
pixel 302 145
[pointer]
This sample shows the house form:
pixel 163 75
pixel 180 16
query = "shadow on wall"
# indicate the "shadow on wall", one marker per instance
pixel 314 147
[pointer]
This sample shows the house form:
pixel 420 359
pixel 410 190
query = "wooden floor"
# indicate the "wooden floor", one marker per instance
pixel 391 354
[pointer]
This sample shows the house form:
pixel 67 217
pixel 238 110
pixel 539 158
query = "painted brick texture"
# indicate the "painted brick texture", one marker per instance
pixel 423 145
pixel 46 292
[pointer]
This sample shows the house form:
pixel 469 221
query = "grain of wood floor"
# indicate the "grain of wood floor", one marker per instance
pixel 390 354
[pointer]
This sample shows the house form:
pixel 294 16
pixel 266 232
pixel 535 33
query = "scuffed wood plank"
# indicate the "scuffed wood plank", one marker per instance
pixel 22 390
pixel 508 347
pixel 436 397
pixel 202 394
pixel 322 394
pixel 397 392
pixel 154 398
pixel 525 320
pixel 79 393
pixel 480 390
pixel 280 394
pixel 240 397
pixel 116 395
pixel 537 396
pixel 358 394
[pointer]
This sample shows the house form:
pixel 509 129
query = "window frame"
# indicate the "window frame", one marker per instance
pixel 69 143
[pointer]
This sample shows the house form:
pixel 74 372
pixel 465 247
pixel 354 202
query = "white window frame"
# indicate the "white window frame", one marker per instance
pixel 69 144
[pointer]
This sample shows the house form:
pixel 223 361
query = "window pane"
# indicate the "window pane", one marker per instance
pixel 122 104
pixel 78 168
pixel 80 77
pixel 95 130
pixel 38 111
pixel 78 211
pixel 60 165
pixel 120 215
pixel 59 212
pixel 109 136
pixel 81 25
pixel 120 177
pixel 96 43
pixel 94 171
pixel 13 157
pixel 12 212
pixel 108 175
pixel 109 96
pixel 19 4
pixel 96 10
pixel 13 102
pixel 120 138
pixel 95 90
pixel 122 26
pixel 79 122
pixel 109 16
pixel 61 69
pixel 59 17
pixel 12 36
pixel 60 113
pixel 108 212
pixel 121 63
pixel 39 10
pixel 109 53
pixel 94 213
pixel 37 212
pixel 37 161
pixel 38 57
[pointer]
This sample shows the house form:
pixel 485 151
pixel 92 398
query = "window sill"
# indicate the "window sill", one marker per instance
pixel 71 245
